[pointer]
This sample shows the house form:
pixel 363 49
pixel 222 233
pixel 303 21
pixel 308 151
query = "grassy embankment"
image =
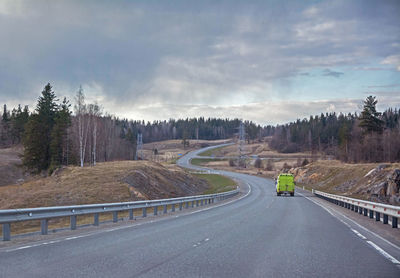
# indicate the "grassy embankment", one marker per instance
pixel 204 161
pixel 217 183
pixel 212 152
pixel 108 182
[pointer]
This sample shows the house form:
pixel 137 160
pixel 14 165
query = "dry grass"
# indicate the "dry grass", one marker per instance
pixel 118 181
pixel 11 171
pixel 341 178
pixel 106 182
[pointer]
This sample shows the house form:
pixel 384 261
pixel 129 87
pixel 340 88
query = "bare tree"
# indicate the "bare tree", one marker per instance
pixel 96 111
pixel 83 123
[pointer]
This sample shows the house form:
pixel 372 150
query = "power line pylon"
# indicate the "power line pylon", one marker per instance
pixel 139 147
pixel 242 140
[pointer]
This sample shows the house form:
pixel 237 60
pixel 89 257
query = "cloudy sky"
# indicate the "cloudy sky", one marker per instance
pixel 266 61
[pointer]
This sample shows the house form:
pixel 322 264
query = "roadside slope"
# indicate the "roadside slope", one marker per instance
pixel 106 182
pixel 368 181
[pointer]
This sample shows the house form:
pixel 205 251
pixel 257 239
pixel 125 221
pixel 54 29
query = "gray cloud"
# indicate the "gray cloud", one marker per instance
pixel 328 72
pixel 186 55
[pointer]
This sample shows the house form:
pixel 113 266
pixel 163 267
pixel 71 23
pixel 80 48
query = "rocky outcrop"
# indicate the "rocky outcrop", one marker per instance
pixel 379 183
pixel 394 186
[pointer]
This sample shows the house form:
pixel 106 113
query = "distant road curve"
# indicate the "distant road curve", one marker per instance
pixel 260 235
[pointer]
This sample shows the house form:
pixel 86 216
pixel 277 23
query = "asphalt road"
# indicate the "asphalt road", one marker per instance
pixel 260 235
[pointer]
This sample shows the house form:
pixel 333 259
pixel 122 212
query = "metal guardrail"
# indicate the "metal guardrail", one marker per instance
pixel 45 213
pixel 364 207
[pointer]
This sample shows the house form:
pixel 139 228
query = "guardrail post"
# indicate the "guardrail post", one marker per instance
pixel 192 204
pixel 173 208
pixel 187 205
pixel 165 209
pixel 365 212
pixel 73 222
pixel 377 216
pixel 144 212
pixel 131 216
pixel 115 216
pixel 352 207
pixel 6 231
pixel 394 222
pixel 96 219
pixel 155 210
pixel 385 219
pixel 201 202
pixel 360 209
pixel 197 203
pixel 180 206
pixel 44 223
pixel 371 213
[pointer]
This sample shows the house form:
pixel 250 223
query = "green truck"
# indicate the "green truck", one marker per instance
pixel 285 184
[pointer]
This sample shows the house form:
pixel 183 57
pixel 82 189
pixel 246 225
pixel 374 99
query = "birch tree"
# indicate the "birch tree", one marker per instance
pixel 83 123
pixel 95 113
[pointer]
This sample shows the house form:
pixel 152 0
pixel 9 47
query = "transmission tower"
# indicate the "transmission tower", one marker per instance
pixel 139 147
pixel 242 138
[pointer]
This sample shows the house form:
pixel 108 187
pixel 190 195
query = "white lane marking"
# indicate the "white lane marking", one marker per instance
pixel 207 239
pixel 354 222
pixel 23 247
pixel 384 253
pixel 357 233
pixel 130 226
pixel 194 245
pixel 380 250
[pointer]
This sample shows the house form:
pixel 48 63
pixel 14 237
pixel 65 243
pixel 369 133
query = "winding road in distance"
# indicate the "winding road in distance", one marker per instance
pixel 258 235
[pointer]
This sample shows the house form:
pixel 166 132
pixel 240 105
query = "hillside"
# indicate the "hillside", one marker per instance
pixel 368 181
pixel 379 182
pixel 11 171
pixel 106 182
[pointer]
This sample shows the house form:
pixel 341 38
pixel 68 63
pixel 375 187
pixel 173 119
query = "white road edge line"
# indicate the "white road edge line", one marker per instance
pixel 380 250
pixel 384 253
pixel 354 222
pixel 357 233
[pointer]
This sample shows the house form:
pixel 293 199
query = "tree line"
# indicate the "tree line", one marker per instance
pixel 370 136
pixel 58 133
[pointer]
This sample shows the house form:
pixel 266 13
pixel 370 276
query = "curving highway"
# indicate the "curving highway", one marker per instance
pixel 258 235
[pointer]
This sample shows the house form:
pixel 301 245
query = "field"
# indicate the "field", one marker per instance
pixel 252 151
pixel 169 151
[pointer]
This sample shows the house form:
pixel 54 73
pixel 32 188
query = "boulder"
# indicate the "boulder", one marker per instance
pixel 393 183
pixel 380 189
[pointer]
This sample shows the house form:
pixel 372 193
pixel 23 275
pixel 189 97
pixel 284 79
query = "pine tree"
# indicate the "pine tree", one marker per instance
pixel 6 114
pixel 37 136
pixel 59 139
pixel 370 119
